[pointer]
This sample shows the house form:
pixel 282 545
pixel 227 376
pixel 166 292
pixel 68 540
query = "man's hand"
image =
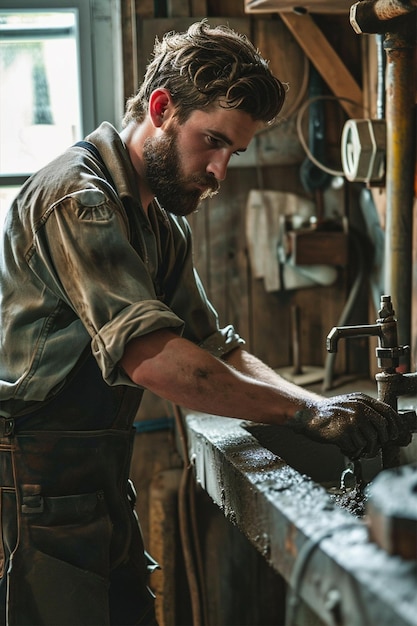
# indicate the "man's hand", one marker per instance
pixel 355 422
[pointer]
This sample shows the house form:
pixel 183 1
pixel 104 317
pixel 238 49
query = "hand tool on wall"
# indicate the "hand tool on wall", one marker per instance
pixel 312 177
pixel 298 373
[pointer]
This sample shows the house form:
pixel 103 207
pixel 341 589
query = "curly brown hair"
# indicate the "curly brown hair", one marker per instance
pixel 205 65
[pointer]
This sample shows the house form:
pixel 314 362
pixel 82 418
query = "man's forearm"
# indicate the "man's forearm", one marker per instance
pixel 245 388
pixel 183 373
pixel 252 366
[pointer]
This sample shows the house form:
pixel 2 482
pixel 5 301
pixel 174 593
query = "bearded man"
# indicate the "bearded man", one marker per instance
pixel 100 300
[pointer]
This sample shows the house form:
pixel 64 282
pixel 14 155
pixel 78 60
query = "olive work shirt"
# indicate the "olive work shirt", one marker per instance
pixel 74 271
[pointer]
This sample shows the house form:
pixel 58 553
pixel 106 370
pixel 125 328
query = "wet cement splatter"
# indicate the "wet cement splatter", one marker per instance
pixel 352 499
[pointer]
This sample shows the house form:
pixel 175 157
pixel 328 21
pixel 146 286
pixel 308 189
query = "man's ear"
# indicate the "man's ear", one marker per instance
pixel 161 106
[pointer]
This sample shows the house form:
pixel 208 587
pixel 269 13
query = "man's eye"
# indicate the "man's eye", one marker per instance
pixel 237 153
pixel 213 141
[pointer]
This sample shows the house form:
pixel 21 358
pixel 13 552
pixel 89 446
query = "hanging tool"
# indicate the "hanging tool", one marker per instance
pixel 297 373
pixel 313 178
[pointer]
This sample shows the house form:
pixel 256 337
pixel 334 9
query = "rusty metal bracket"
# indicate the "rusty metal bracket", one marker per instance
pixel 381 16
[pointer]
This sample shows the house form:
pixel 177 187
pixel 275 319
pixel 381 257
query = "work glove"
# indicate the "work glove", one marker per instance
pixel 358 424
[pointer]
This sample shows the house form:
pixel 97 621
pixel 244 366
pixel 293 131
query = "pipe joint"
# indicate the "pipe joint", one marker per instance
pixel 381 16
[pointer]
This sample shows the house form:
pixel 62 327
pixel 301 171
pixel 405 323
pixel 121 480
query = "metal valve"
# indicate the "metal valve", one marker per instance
pixel 391 384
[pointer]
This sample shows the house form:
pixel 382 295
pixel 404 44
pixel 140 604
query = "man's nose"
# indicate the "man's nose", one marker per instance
pixel 218 167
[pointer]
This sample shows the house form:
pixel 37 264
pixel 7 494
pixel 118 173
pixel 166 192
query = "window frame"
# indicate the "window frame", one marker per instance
pixel 99 51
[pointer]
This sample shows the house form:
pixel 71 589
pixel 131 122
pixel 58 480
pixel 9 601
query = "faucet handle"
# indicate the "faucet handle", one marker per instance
pixel 386 311
pixel 389 357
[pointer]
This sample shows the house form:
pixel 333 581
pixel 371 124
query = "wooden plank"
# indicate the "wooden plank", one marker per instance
pixel 318 247
pixel 226 249
pixel 199 8
pixel 186 8
pixel 287 62
pixel 326 61
pixel 311 6
pixel 178 8
pixel 220 250
pixel 320 308
pixel 130 67
pixel 414 285
pixel 144 8
pixel 226 8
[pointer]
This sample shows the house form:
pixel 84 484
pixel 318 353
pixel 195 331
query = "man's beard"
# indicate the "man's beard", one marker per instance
pixel 164 176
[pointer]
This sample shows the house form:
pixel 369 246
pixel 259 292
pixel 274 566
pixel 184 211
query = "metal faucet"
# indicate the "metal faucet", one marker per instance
pixel 391 384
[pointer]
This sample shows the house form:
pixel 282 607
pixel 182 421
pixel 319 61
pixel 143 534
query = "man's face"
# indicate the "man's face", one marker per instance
pixel 186 163
pixel 177 193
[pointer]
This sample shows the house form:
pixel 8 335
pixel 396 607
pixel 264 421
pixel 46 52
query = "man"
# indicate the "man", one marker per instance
pixel 100 300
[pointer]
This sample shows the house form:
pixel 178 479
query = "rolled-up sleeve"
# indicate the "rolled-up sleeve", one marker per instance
pixel 139 319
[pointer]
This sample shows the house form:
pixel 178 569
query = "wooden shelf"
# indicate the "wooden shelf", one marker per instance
pixel 311 247
pixel 304 6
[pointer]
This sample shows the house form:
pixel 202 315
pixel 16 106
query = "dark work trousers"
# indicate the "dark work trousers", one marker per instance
pixel 71 550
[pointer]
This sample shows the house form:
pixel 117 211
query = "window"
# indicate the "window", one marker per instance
pixel 60 76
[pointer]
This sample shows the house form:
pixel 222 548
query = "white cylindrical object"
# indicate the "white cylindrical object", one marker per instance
pixel 363 150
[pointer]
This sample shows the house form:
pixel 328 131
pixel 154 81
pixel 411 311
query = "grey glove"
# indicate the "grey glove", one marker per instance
pixel 358 424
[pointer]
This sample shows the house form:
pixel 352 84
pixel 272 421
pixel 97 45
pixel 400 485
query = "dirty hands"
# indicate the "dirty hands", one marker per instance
pixel 355 422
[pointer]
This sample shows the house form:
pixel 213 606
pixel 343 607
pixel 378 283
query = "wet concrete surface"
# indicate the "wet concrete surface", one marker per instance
pixel 322 549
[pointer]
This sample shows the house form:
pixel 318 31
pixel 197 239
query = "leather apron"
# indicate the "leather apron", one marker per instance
pixel 71 550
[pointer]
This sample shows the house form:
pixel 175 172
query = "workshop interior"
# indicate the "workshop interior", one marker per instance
pixel 310 251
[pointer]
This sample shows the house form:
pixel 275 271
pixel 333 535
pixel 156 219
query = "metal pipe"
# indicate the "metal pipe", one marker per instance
pixel 392 386
pixel 391 383
pixel 397 19
pixel 401 149
pixel 381 67
pixel 370 16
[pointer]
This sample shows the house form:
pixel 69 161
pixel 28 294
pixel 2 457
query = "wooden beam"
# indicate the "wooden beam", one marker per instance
pixel 178 8
pixel 326 60
pixel 312 6
pixel 145 8
pixel 186 8
pixel 199 8
pixel 130 66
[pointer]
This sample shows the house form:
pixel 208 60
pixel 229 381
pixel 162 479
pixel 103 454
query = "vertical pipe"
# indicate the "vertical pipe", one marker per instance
pixel 401 142
pixel 387 384
pixel 295 340
pixel 381 66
